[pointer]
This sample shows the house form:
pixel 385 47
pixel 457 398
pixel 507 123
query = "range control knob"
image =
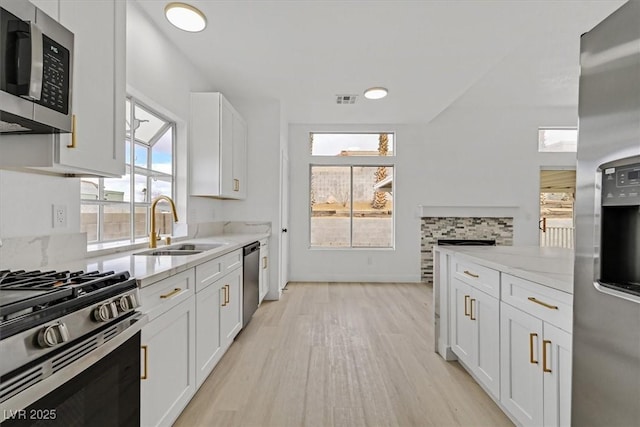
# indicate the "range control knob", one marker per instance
pixel 127 303
pixel 105 312
pixel 53 335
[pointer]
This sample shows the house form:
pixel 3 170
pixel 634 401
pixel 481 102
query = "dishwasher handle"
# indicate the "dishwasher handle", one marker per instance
pixel 255 246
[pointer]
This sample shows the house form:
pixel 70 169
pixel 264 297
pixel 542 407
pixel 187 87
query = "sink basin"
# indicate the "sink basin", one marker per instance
pixel 168 252
pixel 182 249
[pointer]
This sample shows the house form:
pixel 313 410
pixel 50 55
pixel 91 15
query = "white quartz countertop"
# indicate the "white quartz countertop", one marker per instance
pixel 552 267
pixel 149 269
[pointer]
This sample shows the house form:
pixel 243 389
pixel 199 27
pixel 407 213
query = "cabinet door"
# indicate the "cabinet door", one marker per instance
pixel 98 86
pixel 264 271
pixel 226 149
pixel 50 7
pixel 462 333
pixel 231 310
pixel 556 359
pixel 239 157
pixel 485 312
pixel 208 351
pixel 521 365
pixel 168 370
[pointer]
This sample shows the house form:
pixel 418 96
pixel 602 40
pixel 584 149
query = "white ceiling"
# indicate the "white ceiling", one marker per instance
pixel 429 54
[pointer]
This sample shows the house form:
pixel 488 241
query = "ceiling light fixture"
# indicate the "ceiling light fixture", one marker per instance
pixel 375 93
pixel 185 17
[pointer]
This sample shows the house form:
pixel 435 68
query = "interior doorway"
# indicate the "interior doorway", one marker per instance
pixel 557 198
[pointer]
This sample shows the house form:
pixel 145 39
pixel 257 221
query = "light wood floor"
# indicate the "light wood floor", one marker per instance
pixel 341 354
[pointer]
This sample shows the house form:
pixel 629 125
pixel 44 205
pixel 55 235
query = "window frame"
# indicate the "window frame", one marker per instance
pixel 130 168
pixel 353 162
pixel 556 128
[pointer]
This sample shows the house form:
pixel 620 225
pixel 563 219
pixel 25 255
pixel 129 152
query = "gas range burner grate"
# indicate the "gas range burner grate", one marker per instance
pixel 23 292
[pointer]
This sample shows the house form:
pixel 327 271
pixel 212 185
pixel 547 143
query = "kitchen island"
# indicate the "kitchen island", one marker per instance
pixel 506 314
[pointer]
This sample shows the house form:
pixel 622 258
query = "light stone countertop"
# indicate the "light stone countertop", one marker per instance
pixel 150 269
pixel 552 267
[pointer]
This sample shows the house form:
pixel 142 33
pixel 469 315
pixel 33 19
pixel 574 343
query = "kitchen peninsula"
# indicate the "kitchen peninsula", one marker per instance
pixel 506 314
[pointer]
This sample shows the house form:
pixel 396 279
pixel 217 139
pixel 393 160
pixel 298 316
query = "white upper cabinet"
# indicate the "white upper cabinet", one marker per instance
pixel 98 86
pixel 96 147
pixel 217 147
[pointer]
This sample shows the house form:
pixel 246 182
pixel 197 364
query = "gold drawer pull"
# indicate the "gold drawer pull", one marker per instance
pixel 531 336
pixel 73 132
pixel 466 298
pixel 170 294
pixel 468 273
pixel 146 362
pixel 471 309
pixel 542 303
pixel 225 298
pixel 544 356
pixel 228 293
pixel 264 262
pixel 236 185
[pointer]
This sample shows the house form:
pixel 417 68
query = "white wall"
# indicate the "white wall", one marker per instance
pixel 376 265
pixel 263 163
pixel 162 77
pixel 465 157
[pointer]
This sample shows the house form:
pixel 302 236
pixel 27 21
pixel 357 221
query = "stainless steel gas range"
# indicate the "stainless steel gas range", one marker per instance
pixel 69 348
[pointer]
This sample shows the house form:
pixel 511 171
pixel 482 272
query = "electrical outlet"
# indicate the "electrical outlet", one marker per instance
pixel 59 216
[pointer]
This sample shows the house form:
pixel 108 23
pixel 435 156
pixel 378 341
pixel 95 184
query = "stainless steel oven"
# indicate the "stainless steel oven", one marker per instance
pixel 71 349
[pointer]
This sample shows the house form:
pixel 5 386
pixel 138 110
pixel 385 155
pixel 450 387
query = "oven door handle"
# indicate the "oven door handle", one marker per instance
pixel 44 387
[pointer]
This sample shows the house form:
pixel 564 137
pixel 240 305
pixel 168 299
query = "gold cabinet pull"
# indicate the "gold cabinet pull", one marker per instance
pixel 468 273
pixel 544 356
pixel 531 337
pixel 170 294
pixel 471 308
pixel 542 303
pixel 224 299
pixel 466 298
pixel 227 293
pixel 73 132
pixel 146 362
pixel 264 262
pixel 236 185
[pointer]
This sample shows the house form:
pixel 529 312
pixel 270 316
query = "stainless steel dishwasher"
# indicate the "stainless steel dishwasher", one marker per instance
pixel 250 285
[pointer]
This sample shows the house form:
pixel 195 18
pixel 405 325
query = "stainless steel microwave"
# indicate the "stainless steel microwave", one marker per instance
pixel 36 71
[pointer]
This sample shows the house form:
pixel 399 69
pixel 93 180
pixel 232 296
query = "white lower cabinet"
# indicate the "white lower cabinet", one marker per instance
pixel 168 370
pixel 218 313
pixel 264 269
pixel 475 322
pixel 231 309
pixel 536 369
pixel 208 350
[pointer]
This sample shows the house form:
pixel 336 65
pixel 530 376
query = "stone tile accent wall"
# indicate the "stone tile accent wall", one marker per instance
pixel 434 228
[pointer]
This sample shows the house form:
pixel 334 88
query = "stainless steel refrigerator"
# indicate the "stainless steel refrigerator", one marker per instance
pixel 606 331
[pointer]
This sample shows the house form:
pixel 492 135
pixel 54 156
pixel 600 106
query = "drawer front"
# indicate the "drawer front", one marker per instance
pixel 209 272
pixel 161 296
pixel 545 303
pixel 232 260
pixel 482 278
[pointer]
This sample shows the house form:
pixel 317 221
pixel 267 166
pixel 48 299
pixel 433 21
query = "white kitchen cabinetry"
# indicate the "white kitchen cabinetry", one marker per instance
pixel 231 308
pixel 168 349
pixel 264 268
pixel 475 323
pixel 98 96
pixel 218 148
pixel 535 353
pixel 218 310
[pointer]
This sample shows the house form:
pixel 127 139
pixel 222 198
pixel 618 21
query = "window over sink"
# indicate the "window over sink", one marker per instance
pixel 117 209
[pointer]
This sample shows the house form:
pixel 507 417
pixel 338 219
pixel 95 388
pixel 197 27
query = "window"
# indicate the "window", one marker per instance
pixel 351 193
pixel 557 140
pixel 118 208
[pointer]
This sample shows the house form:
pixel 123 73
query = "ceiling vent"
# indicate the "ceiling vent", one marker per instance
pixel 346 99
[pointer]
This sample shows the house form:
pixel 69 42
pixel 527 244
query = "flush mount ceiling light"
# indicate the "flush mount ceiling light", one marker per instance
pixel 185 17
pixel 375 93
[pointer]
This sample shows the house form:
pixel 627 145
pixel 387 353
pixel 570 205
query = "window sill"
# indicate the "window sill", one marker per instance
pixel 107 248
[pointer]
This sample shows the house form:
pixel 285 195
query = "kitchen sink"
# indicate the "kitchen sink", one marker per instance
pixel 182 249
